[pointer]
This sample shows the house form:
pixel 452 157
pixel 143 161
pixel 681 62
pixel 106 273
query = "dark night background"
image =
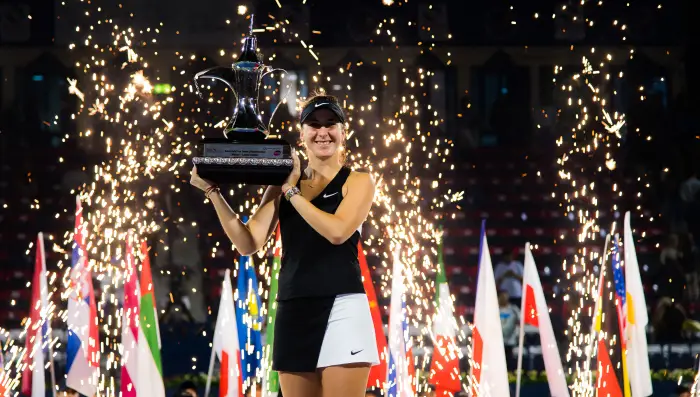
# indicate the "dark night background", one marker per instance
pixel 499 107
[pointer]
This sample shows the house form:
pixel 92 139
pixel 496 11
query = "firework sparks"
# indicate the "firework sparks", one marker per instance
pixel 594 139
pixel 407 203
pixel 142 157
pixel 125 119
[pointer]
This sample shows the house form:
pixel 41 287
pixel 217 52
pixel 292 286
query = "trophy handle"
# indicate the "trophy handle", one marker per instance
pixel 281 98
pixel 203 75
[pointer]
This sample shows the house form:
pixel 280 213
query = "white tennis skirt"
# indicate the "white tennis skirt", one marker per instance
pixel 350 336
pixel 312 333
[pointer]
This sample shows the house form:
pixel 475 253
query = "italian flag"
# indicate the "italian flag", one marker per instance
pixel 272 377
pixel 150 368
pixel 444 368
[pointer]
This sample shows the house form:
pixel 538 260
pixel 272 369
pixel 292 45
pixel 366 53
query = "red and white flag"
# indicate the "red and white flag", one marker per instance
pixel 226 343
pixel 377 374
pixel 489 373
pixel 4 379
pixel 130 324
pixel 400 371
pixel 536 313
pixel 83 345
pixel 36 339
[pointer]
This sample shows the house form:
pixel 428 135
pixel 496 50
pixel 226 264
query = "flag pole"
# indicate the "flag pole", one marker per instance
pixel 591 343
pixel 519 368
pixel 211 369
pixel 53 372
pixel 42 295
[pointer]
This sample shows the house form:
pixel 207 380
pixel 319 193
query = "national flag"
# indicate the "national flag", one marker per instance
pixel 399 376
pixel 377 374
pixel 621 308
pixel 444 368
pixel 226 343
pixel 150 378
pixel 130 329
pixel 637 320
pixel 606 326
pixel 409 352
pixel 536 314
pixel 33 376
pixel 250 320
pixel 272 377
pixel 82 347
pixel 4 380
pixel 489 373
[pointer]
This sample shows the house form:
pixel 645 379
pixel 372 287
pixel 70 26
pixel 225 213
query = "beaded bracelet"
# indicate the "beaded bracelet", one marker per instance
pixel 292 191
pixel 211 189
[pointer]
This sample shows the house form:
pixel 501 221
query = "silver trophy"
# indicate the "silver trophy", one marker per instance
pixel 244 154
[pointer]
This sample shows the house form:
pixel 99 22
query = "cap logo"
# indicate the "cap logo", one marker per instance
pixel 320 104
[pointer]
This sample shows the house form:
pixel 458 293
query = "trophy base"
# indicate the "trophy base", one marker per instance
pixel 241 170
pixel 264 162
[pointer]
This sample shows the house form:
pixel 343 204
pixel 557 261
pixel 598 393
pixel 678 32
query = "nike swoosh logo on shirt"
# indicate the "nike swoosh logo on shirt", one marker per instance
pixel 329 195
pixel 355 352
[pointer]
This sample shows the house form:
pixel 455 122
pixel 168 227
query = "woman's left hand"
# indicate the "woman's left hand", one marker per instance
pixel 294 176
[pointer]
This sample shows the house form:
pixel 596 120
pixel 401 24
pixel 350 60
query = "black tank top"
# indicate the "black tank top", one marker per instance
pixel 311 265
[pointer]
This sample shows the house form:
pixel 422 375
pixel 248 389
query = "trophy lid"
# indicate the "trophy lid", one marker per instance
pixel 249 50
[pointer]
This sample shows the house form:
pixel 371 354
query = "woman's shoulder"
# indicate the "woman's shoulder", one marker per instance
pixel 360 175
pixel 360 179
pixel 357 170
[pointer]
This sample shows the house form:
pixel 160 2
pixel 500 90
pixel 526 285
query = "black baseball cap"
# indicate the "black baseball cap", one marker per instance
pixel 322 102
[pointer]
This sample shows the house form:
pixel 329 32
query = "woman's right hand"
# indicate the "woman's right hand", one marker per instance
pixel 199 182
pixel 294 176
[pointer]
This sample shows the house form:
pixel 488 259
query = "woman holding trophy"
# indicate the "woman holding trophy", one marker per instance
pixel 324 337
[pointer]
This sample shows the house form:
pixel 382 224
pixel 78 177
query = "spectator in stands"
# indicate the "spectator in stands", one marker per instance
pixel 690 188
pixel 187 388
pixel 510 319
pixel 690 198
pixel 372 393
pixel 682 391
pixel 509 277
pixel 671 275
pixel 689 262
pixel 668 320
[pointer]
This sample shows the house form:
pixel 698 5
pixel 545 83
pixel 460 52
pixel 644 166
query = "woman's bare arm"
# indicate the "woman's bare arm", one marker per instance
pixel 251 236
pixel 353 210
